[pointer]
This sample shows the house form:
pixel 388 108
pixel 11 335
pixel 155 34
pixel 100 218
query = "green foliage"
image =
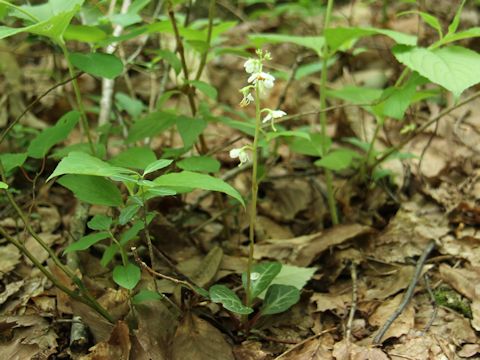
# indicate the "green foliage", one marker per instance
pixel 92 189
pixel 87 241
pixel 100 222
pixel 279 298
pixel 98 64
pixel 127 276
pixel 200 164
pixel 261 276
pixel 229 300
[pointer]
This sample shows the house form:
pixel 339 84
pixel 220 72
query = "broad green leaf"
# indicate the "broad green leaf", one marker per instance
pixel 293 276
pixel 229 300
pixel 187 180
pixel 312 147
pixel 84 33
pixel 428 18
pixel 92 189
pixel 205 88
pixel 279 298
pixel 312 42
pixel 146 295
pixel 134 157
pixel 190 129
pixel 171 58
pixel 3 185
pixel 98 64
pixel 200 164
pixel 10 161
pixel 42 143
pixel 336 37
pixel 61 152
pixel 100 222
pixel 337 160
pixel 134 230
pixel 127 276
pixel 455 68
pixel 287 133
pixel 466 34
pixel 156 165
pixel 126 19
pixel 109 254
pixel 156 192
pixel 358 95
pixel 261 276
pixel 397 100
pixel 452 28
pixel 85 242
pixel 151 125
pixel 133 107
pixel 127 213
pixel 81 163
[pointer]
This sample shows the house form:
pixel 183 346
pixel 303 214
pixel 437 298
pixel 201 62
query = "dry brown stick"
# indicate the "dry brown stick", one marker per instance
pixel 304 342
pixel 434 303
pixel 34 102
pixel 408 294
pixel 353 308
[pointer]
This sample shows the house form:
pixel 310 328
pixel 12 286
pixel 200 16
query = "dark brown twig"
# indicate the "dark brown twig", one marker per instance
pixel 434 303
pixel 408 294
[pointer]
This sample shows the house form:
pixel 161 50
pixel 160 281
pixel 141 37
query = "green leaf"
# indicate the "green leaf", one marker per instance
pixel 205 88
pixel 127 276
pixel 84 33
pixel 133 107
pixel 466 34
pixel 146 295
pixel 279 298
pixel 428 18
pixel 261 276
pixel 455 68
pixel 42 143
pixel 134 157
pixel 127 213
pixel 190 129
pixel 92 189
pixel 293 276
pixel 156 165
pixel 151 125
pixel 229 300
pixel 312 42
pixel 100 222
pixel 397 100
pixel 98 64
pixel 187 180
pixel 287 133
pixel 172 59
pixel 358 95
pixel 81 163
pixel 199 163
pixel 3 185
pixel 452 28
pixel 337 159
pixel 85 242
pixel 109 254
pixel 11 161
pixel 312 147
pixel 337 37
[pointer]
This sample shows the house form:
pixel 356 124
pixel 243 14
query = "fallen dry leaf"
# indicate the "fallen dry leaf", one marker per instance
pixel 345 350
pixel 198 339
pixel 9 258
pixel 116 348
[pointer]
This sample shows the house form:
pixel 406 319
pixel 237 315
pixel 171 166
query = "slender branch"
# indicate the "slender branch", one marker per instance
pixel 408 294
pixel 35 102
pixel 353 308
pixel 203 61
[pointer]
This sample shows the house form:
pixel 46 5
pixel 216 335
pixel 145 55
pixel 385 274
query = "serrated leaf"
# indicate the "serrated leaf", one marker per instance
pixel 279 298
pixel 100 222
pixel 81 163
pixel 187 180
pixel 127 276
pixel 98 64
pixel 229 300
pixel 261 276
pixel 199 163
pixel 134 158
pixel 92 189
pixel 292 275
pixel 40 145
pixel 156 165
pixel 454 67
pixel 85 242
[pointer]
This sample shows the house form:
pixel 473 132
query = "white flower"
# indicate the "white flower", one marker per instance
pixel 247 99
pixel 241 154
pixel 253 66
pixel 264 80
pixel 254 276
pixel 274 114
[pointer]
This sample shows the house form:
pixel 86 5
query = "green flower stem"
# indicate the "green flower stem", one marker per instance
pixel 323 118
pixel 78 97
pixel 253 204
pixel 203 61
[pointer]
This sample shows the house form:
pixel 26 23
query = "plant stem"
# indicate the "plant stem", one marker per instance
pixel 203 61
pixel 78 97
pixel 253 204
pixel 323 117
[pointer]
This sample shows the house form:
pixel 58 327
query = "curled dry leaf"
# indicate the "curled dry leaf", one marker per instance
pixel 345 350
pixel 116 347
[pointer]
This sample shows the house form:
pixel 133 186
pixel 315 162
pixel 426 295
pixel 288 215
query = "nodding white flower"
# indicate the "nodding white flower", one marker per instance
pixel 274 114
pixel 253 66
pixel 247 99
pixel 241 154
pixel 264 80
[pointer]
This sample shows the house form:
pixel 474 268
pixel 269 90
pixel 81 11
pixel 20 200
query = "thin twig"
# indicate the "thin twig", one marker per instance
pixel 35 102
pixel 353 308
pixel 203 61
pixel 432 300
pixel 408 294
pixel 303 342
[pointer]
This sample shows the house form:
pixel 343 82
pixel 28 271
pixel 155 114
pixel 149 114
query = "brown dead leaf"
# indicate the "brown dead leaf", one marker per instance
pixel 37 250
pixel 328 301
pixel 250 350
pixel 382 287
pixel 26 337
pixel 421 346
pixel 116 348
pixel 49 218
pixel 315 349
pixel 345 350
pixel 476 308
pixel 98 326
pixel 11 289
pixel 198 339
pixel 9 258
pixel 469 350
pixel 402 325
pixel 467 246
pixel 462 280
pixel 207 269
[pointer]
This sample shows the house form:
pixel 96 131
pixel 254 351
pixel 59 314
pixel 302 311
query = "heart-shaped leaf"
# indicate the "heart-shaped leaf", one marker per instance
pixel 230 301
pixel 261 276
pixel 127 276
pixel 279 298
